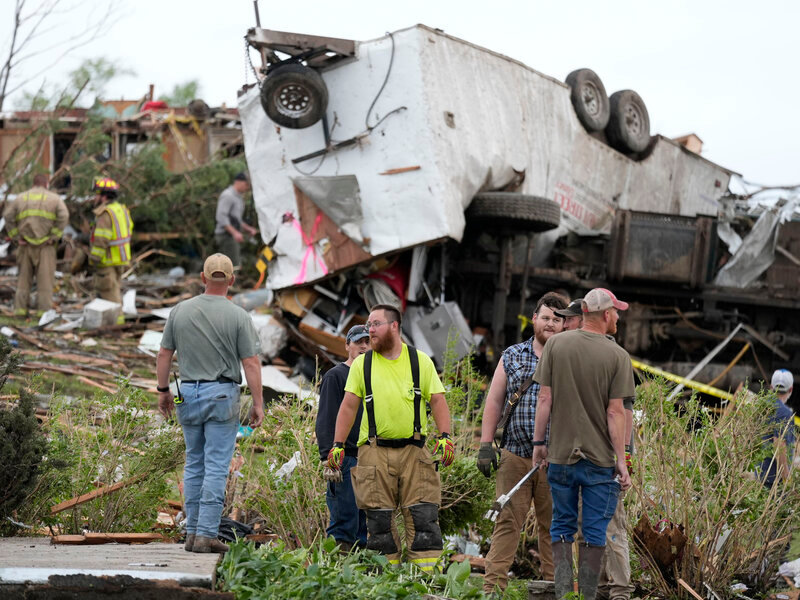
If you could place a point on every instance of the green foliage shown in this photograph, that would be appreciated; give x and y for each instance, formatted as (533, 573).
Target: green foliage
(95, 442)
(22, 443)
(466, 493)
(323, 571)
(182, 93)
(291, 506)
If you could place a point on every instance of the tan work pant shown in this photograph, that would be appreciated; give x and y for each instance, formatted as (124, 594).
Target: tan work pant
(507, 529)
(615, 579)
(616, 576)
(39, 262)
(108, 283)
(404, 478)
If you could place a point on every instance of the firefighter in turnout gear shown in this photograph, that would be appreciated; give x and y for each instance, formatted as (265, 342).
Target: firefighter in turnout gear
(110, 250)
(395, 469)
(35, 221)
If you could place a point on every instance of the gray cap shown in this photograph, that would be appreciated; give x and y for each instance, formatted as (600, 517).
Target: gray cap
(356, 333)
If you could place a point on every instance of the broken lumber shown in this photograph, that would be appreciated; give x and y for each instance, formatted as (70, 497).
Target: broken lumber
(109, 489)
(400, 170)
(107, 538)
(476, 563)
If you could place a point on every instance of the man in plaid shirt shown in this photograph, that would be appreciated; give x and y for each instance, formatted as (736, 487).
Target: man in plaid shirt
(516, 366)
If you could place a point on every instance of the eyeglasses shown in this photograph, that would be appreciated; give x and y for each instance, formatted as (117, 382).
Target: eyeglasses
(370, 324)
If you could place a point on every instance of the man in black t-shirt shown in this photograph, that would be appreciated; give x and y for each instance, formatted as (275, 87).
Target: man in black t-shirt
(348, 524)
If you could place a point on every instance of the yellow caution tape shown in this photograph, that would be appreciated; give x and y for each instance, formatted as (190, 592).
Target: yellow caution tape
(264, 257)
(695, 385)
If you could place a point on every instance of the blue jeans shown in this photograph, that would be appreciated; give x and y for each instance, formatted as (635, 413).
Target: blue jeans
(599, 492)
(348, 523)
(209, 416)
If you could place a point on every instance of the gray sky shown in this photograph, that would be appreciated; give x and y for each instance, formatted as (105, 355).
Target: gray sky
(726, 71)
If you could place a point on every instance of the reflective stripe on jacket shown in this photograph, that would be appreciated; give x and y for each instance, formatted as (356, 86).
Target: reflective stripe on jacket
(36, 216)
(111, 238)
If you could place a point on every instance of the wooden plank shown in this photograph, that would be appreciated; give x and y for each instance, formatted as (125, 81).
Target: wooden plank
(30, 339)
(107, 538)
(109, 489)
(123, 538)
(332, 343)
(79, 358)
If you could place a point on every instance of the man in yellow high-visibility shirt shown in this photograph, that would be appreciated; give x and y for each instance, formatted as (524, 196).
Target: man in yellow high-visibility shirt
(110, 249)
(35, 221)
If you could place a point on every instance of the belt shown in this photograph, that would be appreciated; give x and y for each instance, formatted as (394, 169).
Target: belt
(220, 380)
(401, 443)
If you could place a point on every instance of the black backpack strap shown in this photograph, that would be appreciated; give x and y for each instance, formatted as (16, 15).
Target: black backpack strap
(413, 358)
(373, 427)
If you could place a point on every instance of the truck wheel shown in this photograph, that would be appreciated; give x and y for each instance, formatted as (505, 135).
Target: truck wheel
(589, 99)
(294, 96)
(628, 128)
(517, 212)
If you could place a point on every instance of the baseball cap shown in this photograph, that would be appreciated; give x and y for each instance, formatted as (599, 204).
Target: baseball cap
(241, 177)
(573, 310)
(601, 299)
(356, 333)
(782, 380)
(217, 264)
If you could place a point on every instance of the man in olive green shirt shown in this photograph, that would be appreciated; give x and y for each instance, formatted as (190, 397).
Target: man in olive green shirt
(212, 336)
(584, 375)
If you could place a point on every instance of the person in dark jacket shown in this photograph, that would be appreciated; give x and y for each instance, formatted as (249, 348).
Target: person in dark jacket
(348, 524)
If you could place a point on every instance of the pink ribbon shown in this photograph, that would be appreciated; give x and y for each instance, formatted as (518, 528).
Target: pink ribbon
(310, 250)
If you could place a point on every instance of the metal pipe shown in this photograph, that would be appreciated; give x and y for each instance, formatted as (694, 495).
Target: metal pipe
(699, 367)
(258, 17)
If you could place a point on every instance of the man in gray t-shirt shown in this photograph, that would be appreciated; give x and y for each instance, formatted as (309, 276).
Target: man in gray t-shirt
(212, 336)
(230, 227)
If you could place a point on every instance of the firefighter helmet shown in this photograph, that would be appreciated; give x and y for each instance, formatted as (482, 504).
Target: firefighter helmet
(105, 186)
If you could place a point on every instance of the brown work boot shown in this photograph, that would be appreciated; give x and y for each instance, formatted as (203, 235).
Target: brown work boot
(189, 542)
(205, 545)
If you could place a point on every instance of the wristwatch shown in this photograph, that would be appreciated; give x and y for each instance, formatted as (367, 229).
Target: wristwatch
(162, 389)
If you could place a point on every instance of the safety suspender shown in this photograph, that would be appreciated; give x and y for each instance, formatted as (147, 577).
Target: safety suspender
(418, 438)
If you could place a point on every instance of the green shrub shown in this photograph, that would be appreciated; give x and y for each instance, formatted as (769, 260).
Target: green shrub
(95, 442)
(322, 571)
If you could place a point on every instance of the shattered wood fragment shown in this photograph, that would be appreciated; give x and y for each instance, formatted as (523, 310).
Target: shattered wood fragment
(400, 170)
(475, 562)
(689, 589)
(95, 494)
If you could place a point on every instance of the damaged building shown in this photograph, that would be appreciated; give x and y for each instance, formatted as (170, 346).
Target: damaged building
(192, 135)
(393, 169)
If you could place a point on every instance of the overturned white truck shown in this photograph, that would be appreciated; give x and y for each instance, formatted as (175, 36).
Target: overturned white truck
(482, 182)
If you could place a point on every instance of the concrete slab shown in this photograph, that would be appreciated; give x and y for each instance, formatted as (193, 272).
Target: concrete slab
(35, 560)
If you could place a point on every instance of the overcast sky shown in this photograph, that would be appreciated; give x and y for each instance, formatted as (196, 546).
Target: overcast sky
(725, 70)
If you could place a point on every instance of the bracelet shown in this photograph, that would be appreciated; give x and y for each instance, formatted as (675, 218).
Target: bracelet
(542, 443)
(162, 389)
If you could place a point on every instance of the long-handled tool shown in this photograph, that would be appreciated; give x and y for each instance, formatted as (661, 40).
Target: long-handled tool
(500, 503)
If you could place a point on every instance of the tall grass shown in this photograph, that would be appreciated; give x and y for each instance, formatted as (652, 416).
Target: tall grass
(695, 468)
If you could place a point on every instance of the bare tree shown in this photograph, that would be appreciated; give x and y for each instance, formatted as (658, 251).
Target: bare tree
(36, 29)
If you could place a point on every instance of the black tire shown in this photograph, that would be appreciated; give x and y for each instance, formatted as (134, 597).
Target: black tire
(294, 96)
(629, 126)
(514, 212)
(589, 99)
